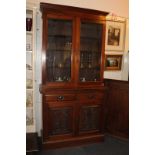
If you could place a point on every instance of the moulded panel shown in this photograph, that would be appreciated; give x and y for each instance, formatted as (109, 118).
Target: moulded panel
(60, 120)
(89, 118)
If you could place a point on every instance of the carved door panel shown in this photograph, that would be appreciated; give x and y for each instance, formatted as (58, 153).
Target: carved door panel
(60, 119)
(90, 118)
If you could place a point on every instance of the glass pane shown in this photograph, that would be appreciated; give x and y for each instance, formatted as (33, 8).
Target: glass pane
(59, 47)
(90, 51)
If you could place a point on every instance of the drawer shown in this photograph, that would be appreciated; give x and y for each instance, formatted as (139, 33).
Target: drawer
(60, 97)
(90, 96)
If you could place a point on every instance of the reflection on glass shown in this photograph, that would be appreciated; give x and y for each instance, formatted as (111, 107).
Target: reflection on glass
(59, 50)
(90, 51)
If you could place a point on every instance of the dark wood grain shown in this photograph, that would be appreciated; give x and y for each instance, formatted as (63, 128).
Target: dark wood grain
(66, 9)
(117, 108)
(78, 140)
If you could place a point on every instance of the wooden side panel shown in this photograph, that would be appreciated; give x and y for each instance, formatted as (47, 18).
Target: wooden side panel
(117, 104)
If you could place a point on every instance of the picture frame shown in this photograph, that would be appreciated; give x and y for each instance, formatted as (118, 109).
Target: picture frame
(28, 42)
(28, 60)
(29, 79)
(113, 62)
(29, 98)
(29, 116)
(115, 31)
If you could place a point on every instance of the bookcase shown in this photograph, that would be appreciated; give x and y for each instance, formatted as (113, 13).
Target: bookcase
(72, 75)
(30, 70)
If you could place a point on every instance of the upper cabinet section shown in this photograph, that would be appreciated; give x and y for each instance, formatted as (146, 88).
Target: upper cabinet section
(73, 45)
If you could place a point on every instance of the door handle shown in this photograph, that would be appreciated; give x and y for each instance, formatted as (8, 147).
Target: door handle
(60, 98)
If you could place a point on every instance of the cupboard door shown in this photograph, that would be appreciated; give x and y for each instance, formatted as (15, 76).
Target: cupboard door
(91, 49)
(60, 119)
(90, 118)
(59, 50)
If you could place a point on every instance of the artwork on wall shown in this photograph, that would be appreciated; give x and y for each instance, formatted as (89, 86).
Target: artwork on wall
(29, 98)
(115, 35)
(29, 116)
(29, 79)
(29, 60)
(113, 62)
(28, 42)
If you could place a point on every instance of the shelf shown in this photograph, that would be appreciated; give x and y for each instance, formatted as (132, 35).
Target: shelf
(29, 11)
(61, 81)
(59, 36)
(93, 68)
(56, 67)
(29, 89)
(28, 68)
(92, 38)
(30, 51)
(89, 51)
(29, 32)
(59, 51)
(29, 108)
(89, 81)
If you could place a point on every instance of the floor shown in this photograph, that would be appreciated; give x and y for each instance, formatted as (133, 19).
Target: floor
(111, 146)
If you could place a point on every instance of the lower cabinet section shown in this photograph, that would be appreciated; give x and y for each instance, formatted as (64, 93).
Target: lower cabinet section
(72, 117)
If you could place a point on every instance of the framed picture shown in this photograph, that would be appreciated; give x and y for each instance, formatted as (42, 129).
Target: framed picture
(115, 35)
(113, 62)
(29, 98)
(29, 60)
(29, 79)
(29, 116)
(28, 42)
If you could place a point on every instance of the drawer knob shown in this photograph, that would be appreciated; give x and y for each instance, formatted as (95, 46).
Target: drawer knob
(60, 97)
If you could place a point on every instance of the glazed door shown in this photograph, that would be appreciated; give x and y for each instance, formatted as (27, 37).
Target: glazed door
(58, 44)
(91, 51)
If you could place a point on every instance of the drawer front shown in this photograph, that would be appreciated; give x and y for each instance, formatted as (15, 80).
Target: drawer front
(90, 96)
(60, 97)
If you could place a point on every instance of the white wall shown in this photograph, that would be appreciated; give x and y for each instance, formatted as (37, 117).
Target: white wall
(117, 7)
(123, 73)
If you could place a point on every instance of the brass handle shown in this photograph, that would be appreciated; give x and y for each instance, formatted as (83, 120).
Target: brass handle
(60, 97)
